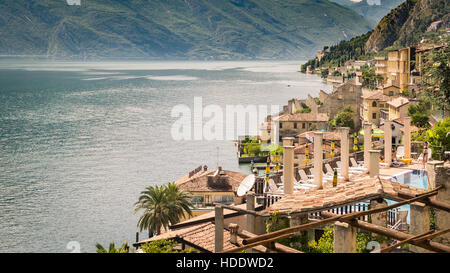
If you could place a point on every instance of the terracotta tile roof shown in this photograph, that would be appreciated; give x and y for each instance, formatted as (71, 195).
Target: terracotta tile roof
(345, 193)
(402, 122)
(326, 148)
(377, 95)
(202, 235)
(397, 102)
(212, 213)
(387, 85)
(199, 182)
(304, 117)
(328, 135)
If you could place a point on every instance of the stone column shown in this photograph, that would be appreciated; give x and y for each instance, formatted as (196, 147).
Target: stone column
(344, 152)
(420, 222)
(297, 220)
(344, 238)
(367, 143)
(288, 169)
(250, 206)
(318, 159)
(407, 137)
(288, 141)
(431, 173)
(388, 142)
(442, 175)
(374, 163)
(379, 219)
(219, 225)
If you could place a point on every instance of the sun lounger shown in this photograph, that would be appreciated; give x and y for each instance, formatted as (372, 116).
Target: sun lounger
(351, 170)
(355, 165)
(304, 177)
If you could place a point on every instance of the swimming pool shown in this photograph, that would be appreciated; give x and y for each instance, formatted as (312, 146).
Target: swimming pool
(414, 178)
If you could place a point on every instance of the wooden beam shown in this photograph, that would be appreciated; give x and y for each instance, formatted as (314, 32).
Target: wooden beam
(430, 202)
(433, 246)
(389, 248)
(242, 211)
(381, 209)
(276, 234)
(431, 236)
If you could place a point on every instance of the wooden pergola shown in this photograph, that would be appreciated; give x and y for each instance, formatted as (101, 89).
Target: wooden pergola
(422, 240)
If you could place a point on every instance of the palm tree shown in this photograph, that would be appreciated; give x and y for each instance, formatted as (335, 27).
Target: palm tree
(180, 202)
(162, 205)
(112, 248)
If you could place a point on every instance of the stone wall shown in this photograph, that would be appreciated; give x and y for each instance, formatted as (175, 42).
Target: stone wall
(442, 177)
(346, 94)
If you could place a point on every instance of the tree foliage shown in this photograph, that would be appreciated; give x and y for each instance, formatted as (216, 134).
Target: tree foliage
(163, 206)
(112, 248)
(439, 137)
(163, 246)
(343, 119)
(437, 75)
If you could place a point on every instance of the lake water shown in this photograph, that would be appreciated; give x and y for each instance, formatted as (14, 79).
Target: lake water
(80, 141)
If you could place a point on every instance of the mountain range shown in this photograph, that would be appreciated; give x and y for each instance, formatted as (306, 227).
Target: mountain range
(373, 10)
(175, 29)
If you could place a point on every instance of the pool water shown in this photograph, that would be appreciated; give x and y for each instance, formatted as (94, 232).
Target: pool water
(414, 178)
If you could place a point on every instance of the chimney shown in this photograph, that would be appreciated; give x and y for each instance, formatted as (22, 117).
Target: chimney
(233, 233)
(205, 168)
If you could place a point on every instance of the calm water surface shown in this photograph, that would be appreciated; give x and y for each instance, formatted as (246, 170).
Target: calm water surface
(79, 141)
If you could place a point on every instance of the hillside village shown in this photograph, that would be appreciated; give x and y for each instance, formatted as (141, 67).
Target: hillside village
(335, 163)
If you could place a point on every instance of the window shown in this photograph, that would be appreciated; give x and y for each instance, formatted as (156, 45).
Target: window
(374, 115)
(281, 125)
(303, 125)
(295, 125)
(374, 104)
(391, 93)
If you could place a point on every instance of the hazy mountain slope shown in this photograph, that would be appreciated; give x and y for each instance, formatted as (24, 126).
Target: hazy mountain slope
(373, 10)
(219, 29)
(406, 24)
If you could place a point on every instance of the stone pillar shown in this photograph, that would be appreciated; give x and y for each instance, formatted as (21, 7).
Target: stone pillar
(250, 218)
(219, 225)
(431, 173)
(288, 141)
(318, 159)
(442, 177)
(407, 137)
(297, 220)
(420, 222)
(374, 163)
(344, 152)
(388, 142)
(379, 219)
(288, 169)
(250, 206)
(344, 238)
(260, 225)
(367, 143)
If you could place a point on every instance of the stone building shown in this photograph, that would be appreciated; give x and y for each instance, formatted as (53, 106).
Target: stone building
(211, 186)
(397, 66)
(290, 125)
